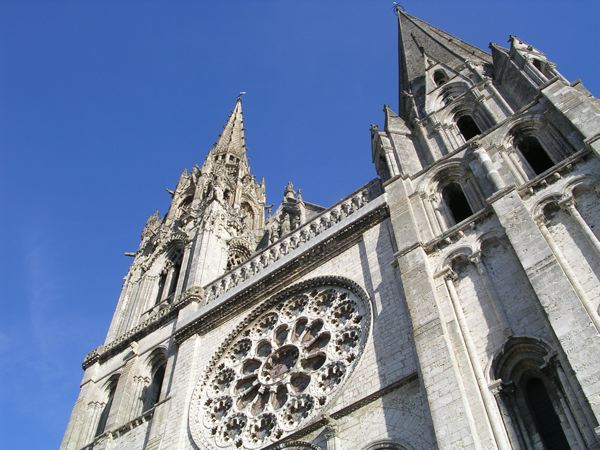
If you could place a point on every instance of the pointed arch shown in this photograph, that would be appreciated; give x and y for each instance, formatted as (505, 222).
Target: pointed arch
(110, 388)
(156, 367)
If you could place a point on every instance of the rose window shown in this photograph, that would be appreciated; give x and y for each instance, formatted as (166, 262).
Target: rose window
(280, 369)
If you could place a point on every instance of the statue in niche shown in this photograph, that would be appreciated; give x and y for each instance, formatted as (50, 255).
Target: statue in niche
(285, 226)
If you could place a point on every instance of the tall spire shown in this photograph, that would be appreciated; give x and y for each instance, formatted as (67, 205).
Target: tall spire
(232, 139)
(419, 42)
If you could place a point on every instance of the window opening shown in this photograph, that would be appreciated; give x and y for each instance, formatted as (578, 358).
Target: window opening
(467, 127)
(545, 418)
(175, 277)
(112, 387)
(153, 392)
(534, 153)
(161, 286)
(383, 168)
(456, 202)
(440, 77)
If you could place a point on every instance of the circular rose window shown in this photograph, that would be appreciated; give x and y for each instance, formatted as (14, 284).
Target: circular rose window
(279, 368)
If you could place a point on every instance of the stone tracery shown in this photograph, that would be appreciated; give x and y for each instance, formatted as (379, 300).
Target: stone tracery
(280, 369)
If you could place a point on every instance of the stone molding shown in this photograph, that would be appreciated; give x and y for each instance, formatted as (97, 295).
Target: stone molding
(215, 313)
(293, 240)
(343, 210)
(325, 420)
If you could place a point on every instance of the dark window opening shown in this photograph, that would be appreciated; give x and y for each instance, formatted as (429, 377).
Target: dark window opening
(174, 278)
(538, 65)
(106, 410)
(440, 77)
(545, 418)
(153, 390)
(161, 286)
(456, 202)
(384, 173)
(467, 127)
(534, 153)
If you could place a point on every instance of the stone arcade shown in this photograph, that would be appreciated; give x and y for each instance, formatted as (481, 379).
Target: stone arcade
(450, 303)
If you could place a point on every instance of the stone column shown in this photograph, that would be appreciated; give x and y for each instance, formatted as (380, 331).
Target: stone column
(496, 301)
(492, 416)
(556, 294)
(566, 267)
(522, 176)
(94, 411)
(569, 206)
(453, 420)
(488, 167)
(505, 395)
(498, 391)
(330, 435)
(137, 397)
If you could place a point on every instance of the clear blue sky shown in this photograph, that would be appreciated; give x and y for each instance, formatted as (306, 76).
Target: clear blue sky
(103, 103)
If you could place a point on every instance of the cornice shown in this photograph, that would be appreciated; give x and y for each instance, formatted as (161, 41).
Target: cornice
(281, 277)
(303, 263)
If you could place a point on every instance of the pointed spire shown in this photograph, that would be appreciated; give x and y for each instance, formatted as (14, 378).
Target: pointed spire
(418, 42)
(232, 139)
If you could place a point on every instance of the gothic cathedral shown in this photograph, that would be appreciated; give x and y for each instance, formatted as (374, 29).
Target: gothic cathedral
(453, 302)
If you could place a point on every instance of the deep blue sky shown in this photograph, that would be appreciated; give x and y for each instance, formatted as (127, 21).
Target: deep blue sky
(103, 103)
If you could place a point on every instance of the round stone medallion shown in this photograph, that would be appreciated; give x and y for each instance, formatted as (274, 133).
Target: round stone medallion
(280, 367)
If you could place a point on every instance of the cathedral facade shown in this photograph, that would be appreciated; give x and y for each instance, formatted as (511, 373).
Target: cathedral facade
(453, 302)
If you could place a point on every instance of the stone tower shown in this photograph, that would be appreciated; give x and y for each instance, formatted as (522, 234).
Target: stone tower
(453, 302)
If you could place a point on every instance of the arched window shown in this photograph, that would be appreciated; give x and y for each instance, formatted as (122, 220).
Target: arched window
(169, 277)
(467, 127)
(440, 77)
(535, 155)
(110, 390)
(456, 202)
(538, 64)
(537, 406)
(176, 271)
(153, 390)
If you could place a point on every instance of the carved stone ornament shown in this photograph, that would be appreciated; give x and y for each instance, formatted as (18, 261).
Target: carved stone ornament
(280, 367)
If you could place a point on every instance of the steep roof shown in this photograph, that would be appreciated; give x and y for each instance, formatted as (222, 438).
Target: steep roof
(232, 139)
(417, 39)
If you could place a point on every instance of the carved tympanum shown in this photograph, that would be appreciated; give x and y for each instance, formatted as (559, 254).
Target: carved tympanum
(276, 372)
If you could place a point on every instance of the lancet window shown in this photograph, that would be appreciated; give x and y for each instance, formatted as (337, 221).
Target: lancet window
(456, 202)
(538, 147)
(532, 393)
(152, 393)
(169, 276)
(454, 196)
(111, 388)
(535, 155)
(467, 127)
